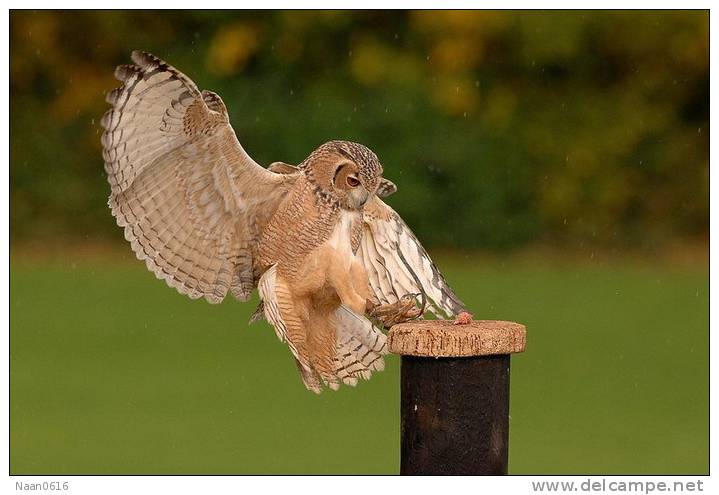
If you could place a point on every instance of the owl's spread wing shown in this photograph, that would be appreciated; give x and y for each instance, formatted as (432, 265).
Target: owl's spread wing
(385, 188)
(397, 264)
(191, 201)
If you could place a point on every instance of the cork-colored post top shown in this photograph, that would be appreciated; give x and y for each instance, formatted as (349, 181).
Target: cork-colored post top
(443, 338)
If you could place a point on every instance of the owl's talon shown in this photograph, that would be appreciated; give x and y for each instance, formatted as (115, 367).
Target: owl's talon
(370, 305)
(399, 312)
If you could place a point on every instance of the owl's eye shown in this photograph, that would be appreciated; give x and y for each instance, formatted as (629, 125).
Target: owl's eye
(352, 181)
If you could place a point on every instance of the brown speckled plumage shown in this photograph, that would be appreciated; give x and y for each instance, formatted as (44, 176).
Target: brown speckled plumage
(315, 239)
(303, 222)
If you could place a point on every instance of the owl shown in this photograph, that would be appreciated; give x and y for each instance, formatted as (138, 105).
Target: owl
(333, 264)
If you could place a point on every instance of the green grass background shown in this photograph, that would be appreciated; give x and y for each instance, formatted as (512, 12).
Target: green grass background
(114, 373)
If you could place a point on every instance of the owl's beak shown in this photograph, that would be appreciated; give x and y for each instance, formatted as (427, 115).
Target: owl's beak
(358, 197)
(365, 197)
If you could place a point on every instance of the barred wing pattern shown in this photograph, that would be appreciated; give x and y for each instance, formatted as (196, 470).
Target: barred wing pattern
(397, 264)
(191, 201)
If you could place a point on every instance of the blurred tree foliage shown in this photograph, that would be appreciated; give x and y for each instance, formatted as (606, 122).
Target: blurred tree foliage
(500, 128)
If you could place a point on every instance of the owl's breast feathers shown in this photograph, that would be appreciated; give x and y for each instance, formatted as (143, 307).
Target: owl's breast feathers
(347, 234)
(304, 222)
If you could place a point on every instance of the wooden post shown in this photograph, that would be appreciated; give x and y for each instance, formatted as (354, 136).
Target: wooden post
(455, 395)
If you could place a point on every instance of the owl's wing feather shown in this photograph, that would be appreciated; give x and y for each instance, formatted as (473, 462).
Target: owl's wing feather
(360, 347)
(191, 200)
(397, 264)
(385, 188)
(267, 288)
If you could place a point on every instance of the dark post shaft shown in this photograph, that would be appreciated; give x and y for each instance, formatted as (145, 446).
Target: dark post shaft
(455, 415)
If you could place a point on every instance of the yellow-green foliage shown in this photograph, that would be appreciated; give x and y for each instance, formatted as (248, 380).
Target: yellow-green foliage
(499, 127)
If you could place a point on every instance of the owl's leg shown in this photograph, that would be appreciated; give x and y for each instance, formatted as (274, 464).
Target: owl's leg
(313, 338)
(313, 302)
(289, 314)
(353, 296)
(360, 283)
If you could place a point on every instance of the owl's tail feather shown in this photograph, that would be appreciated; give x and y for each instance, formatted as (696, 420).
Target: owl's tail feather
(309, 377)
(360, 347)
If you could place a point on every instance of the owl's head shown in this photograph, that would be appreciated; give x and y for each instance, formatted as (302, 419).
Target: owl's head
(347, 172)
